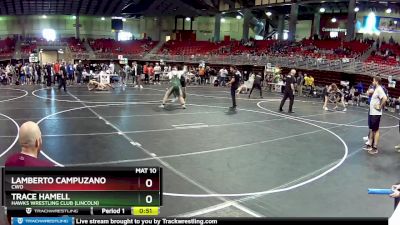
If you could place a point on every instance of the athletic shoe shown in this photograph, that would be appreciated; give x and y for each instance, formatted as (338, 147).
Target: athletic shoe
(325, 108)
(183, 106)
(373, 151)
(141, 87)
(367, 143)
(397, 147)
(345, 109)
(249, 96)
(136, 86)
(365, 138)
(367, 148)
(162, 106)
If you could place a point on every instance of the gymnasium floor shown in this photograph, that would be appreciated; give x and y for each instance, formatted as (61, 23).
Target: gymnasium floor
(252, 162)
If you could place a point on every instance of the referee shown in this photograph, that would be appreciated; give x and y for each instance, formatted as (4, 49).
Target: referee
(234, 83)
(288, 91)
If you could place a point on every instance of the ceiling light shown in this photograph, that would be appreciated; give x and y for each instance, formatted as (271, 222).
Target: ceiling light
(322, 10)
(238, 17)
(44, 16)
(188, 19)
(389, 10)
(333, 20)
(269, 13)
(102, 18)
(356, 9)
(223, 20)
(124, 19)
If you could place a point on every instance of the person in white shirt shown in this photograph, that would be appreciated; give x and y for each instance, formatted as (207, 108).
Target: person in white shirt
(378, 101)
(157, 73)
(112, 67)
(222, 76)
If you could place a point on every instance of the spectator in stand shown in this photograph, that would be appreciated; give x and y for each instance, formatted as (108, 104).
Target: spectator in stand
(30, 139)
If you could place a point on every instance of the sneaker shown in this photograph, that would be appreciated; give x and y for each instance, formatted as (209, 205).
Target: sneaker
(397, 147)
(232, 108)
(141, 87)
(365, 138)
(325, 108)
(373, 151)
(345, 109)
(183, 106)
(367, 143)
(136, 86)
(367, 148)
(249, 96)
(162, 106)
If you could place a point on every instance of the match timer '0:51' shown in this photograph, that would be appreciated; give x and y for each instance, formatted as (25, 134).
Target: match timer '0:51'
(145, 211)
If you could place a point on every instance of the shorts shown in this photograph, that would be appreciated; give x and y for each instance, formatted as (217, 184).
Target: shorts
(373, 122)
(176, 91)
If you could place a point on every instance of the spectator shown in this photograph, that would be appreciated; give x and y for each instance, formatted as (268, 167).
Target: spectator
(30, 139)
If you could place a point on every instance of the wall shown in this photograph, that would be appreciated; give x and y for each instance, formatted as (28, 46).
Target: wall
(92, 27)
(383, 35)
(204, 27)
(48, 57)
(303, 29)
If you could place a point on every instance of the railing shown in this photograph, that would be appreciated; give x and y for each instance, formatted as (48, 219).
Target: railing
(341, 65)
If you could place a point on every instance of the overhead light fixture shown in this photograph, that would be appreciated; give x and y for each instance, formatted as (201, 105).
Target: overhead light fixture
(322, 10)
(223, 20)
(188, 19)
(73, 17)
(395, 22)
(269, 13)
(389, 10)
(102, 18)
(238, 17)
(356, 9)
(44, 16)
(333, 20)
(124, 19)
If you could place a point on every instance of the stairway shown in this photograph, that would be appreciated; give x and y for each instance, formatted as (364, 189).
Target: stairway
(366, 54)
(89, 49)
(156, 48)
(17, 52)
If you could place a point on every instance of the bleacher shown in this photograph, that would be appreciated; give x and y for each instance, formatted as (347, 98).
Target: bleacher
(111, 46)
(7, 47)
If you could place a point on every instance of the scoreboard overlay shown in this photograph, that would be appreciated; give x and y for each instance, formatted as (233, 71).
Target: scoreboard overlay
(82, 191)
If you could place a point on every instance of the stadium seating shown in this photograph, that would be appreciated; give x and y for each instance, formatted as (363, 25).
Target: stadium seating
(110, 46)
(7, 47)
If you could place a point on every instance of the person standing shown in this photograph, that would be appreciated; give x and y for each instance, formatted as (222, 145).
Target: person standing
(378, 101)
(257, 84)
(222, 76)
(137, 73)
(300, 83)
(57, 71)
(62, 82)
(288, 91)
(79, 69)
(157, 73)
(398, 146)
(234, 83)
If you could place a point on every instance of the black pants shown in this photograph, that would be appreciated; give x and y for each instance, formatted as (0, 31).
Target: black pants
(233, 95)
(157, 78)
(286, 95)
(62, 83)
(79, 77)
(258, 86)
(396, 202)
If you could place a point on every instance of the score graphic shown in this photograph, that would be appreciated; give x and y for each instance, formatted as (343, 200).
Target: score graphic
(82, 191)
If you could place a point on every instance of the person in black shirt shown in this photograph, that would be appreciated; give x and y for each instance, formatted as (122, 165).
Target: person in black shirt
(63, 77)
(234, 82)
(257, 84)
(288, 91)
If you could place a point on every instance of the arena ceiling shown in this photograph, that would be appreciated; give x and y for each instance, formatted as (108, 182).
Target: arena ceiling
(192, 8)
